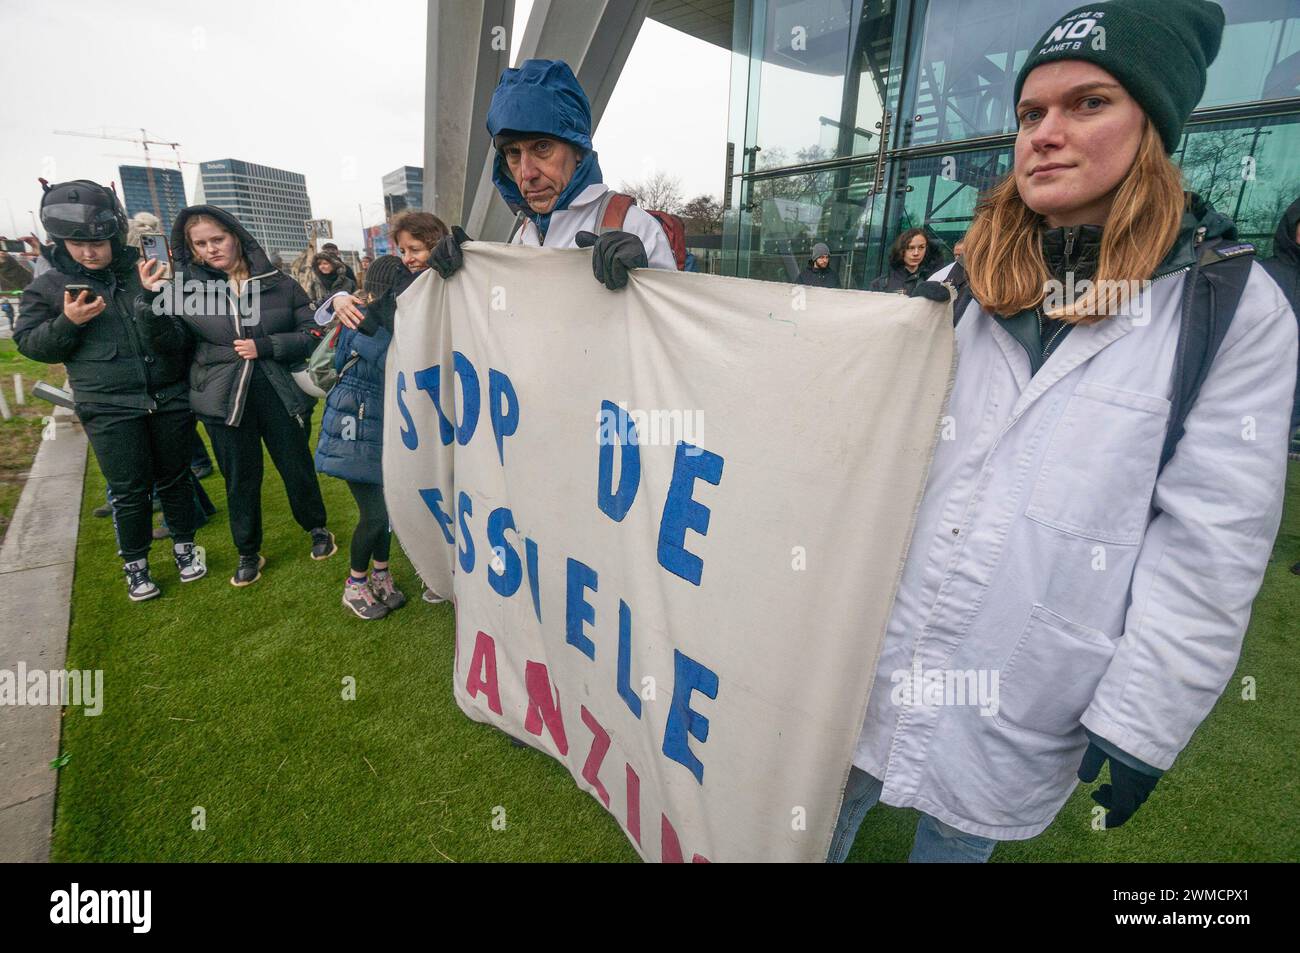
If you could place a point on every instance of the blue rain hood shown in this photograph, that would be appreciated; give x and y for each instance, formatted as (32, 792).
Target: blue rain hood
(544, 97)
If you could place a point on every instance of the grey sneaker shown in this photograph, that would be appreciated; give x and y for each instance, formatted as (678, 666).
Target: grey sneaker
(358, 597)
(249, 571)
(102, 511)
(139, 586)
(322, 543)
(381, 585)
(190, 561)
(430, 596)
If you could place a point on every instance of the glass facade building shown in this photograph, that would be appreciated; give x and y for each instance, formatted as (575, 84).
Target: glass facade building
(403, 189)
(853, 120)
(159, 192)
(271, 203)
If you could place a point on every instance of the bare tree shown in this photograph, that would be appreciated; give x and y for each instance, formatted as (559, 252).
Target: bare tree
(660, 190)
(703, 215)
(1212, 165)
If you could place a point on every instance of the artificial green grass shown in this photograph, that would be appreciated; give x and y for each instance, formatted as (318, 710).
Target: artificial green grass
(230, 700)
(20, 436)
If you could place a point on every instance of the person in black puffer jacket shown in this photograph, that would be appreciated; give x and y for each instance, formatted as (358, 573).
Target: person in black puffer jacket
(248, 324)
(130, 397)
(908, 260)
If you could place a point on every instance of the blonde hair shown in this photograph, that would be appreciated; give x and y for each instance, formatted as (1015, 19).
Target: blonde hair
(240, 269)
(1003, 256)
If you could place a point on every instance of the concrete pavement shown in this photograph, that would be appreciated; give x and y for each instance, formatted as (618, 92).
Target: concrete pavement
(36, 569)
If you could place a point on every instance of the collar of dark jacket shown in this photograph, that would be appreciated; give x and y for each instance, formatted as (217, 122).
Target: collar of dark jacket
(1198, 214)
(1078, 248)
(1072, 248)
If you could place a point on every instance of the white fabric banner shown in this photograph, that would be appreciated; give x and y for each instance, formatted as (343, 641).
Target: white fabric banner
(688, 616)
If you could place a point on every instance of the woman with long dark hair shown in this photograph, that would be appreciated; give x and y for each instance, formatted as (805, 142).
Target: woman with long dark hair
(908, 258)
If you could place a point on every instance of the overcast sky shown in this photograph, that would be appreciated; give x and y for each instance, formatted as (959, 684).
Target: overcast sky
(333, 89)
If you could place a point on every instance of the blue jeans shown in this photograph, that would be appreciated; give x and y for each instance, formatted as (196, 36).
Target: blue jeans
(935, 842)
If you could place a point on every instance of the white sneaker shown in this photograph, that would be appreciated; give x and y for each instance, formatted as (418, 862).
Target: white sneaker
(190, 561)
(139, 585)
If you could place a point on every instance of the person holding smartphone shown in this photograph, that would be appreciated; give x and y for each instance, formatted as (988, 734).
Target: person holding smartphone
(249, 324)
(15, 273)
(131, 399)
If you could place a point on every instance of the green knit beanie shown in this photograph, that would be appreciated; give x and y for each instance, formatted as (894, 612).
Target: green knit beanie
(1159, 50)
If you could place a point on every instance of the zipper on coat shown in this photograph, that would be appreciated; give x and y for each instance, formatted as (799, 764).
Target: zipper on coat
(241, 388)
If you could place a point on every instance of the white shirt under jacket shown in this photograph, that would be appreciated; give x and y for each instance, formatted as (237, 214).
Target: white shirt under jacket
(580, 216)
(1047, 551)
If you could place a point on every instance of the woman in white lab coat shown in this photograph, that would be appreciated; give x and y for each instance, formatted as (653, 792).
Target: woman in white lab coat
(1095, 592)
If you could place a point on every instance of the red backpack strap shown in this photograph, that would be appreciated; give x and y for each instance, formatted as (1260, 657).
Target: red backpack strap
(613, 210)
(675, 231)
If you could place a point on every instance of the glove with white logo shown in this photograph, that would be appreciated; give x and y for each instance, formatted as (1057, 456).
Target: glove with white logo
(615, 254)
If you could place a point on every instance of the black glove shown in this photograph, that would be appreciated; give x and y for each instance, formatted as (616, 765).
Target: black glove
(931, 290)
(1128, 788)
(369, 322)
(615, 254)
(447, 258)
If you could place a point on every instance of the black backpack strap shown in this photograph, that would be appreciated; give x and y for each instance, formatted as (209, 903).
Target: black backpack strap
(961, 284)
(1211, 294)
(520, 217)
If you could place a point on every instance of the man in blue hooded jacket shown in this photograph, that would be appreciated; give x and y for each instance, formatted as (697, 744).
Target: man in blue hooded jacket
(547, 171)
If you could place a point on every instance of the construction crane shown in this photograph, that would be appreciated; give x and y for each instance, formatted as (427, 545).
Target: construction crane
(144, 142)
(127, 155)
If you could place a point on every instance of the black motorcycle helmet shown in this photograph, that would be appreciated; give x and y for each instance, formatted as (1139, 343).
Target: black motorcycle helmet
(82, 211)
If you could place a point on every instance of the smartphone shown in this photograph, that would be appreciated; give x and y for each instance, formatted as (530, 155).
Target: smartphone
(12, 246)
(91, 294)
(155, 246)
(55, 395)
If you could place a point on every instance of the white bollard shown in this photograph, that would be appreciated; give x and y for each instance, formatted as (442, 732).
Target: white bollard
(18, 390)
(4, 407)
